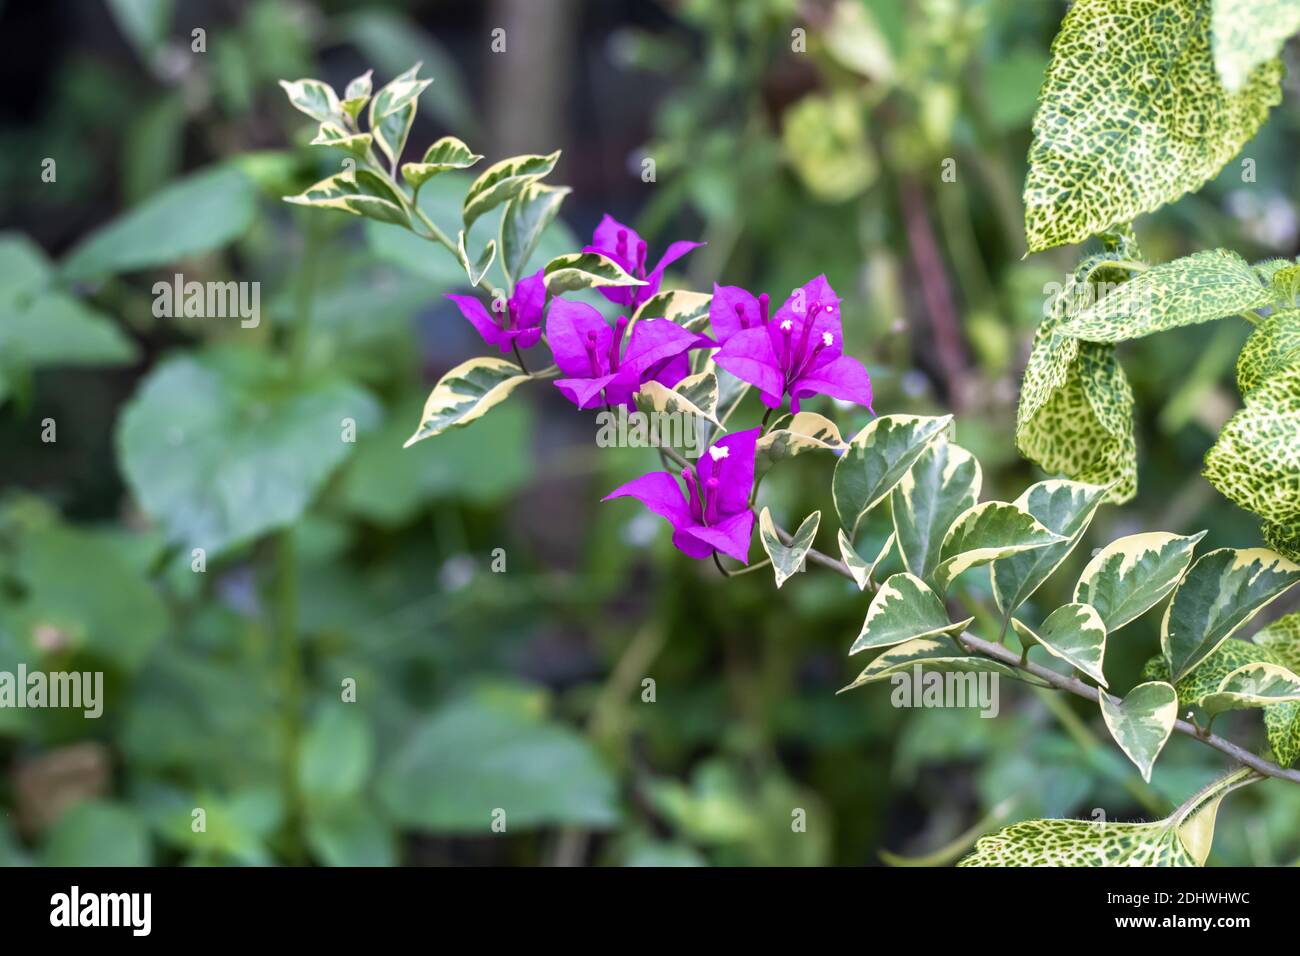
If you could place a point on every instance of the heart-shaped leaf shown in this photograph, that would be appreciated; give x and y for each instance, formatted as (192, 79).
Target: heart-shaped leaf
(1142, 722)
(1075, 634)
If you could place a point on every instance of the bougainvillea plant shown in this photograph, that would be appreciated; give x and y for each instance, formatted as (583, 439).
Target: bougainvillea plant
(698, 354)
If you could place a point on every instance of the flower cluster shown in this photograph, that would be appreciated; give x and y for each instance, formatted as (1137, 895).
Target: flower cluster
(796, 352)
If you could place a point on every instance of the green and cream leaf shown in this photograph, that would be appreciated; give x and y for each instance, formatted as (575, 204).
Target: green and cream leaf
(524, 221)
(584, 270)
(987, 532)
(1142, 722)
(1074, 633)
(876, 460)
(467, 393)
(1133, 574)
(944, 482)
(787, 560)
(903, 609)
(503, 181)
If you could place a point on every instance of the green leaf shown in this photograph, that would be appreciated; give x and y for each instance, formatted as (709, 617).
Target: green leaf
(584, 270)
(939, 654)
(1074, 633)
(1198, 288)
(78, 582)
(793, 435)
(1271, 348)
(1223, 590)
(943, 483)
(475, 757)
(862, 571)
(220, 450)
(1254, 685)
(477, 269)
(357, 144)
(318, 100)
(1132, 115)
(446, 153)
(1142, 722)
(466, 393)
(1084, 428)
(503, 181)
(876, 460)
(985, 533)
(56, 329)
(1131, 575)
(197, 214)
(524, 221)
(335, 756)
(1064, 508)
(825, 140)
(787, 561)
(903, 609)
(351, 835)
(1248, 33)
(361, 193)
(1256, 460)
(97, 833)
(687, 309)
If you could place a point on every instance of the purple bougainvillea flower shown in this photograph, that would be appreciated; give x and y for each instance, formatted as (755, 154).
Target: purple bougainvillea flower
(600, 368)
(713, 514)
(621, 243)
(521, 321)
(797, 352)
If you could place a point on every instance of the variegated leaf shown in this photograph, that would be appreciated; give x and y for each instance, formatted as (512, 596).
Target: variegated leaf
(690, 310)
(1272, 347)
(787, 560)
(1063, 507)
(524, 221)
(331, 134)
(1249, 33)
(876, 460)
(503, 181)
(943, 483)
(357, 95)
(694, 398)
(584, 270)
(904, 608)
(318, 100)
(1223, 590)
(985, 533)
(478, 268)
(794, 435)
(1198, 288)
(1254, 685)
(862, 571)
(1256, 460)
(1075, 634)
(466, 393)
(397, 97)
(444, 154)
(361, 193)
(1131, 575)
(939, 653)
(1132, 115)
(1142, 722)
